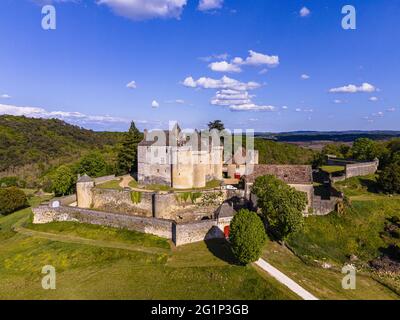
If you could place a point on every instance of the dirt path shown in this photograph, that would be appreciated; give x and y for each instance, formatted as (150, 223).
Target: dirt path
(285, 280)
(78, 240)
(125, 181)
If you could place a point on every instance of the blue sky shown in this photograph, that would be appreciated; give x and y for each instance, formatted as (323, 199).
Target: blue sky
(267, 65)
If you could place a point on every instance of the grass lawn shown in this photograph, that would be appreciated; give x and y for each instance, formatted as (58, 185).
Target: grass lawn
(332, 169)
(324, 283)
(113, 184)
(334, 238)
(197, 271)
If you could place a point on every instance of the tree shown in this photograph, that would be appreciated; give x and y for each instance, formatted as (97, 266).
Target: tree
(365, 149)
(11, 199)
(247, 236)
(281, 205)
(127, 155)
(93, 165)
(217, 124)
(389, 178)
(63, 181)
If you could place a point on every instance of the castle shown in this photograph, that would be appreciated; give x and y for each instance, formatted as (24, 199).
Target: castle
(179, 160)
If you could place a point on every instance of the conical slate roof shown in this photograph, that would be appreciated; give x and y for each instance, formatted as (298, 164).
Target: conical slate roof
(85, 178)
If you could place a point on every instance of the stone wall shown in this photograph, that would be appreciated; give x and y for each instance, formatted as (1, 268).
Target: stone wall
(180, 234)
(157, 227)
(199, 231)
(120, 201)
(322, 207)
(361, 169)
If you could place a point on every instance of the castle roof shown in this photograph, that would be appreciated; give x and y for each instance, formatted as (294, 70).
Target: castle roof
(85, 178)
(290, 174)
(175, 138)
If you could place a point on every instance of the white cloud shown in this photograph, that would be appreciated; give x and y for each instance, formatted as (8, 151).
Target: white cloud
(222, 56)
(337, 101)
(285, 107)
(304, 12)
(305, 76)
(258, 59)
(254, 59)
(263, 71)
(231, 97)
(155, 104)
(146, 9)
(373, 99)
(351, 88)
(391, 110)
(205, 5)
(298, 110)
(251, 107)
(177, 101)
(131, 85)
(224, 66)
(223, 83)
(73, 117)
(5, 96)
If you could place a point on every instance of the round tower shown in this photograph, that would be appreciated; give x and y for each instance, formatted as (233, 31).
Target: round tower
(84, 195)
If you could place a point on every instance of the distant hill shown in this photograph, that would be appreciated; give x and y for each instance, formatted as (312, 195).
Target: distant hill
(336, 136)
(25, 141)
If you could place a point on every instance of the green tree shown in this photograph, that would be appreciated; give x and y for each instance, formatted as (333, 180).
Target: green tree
(63, 181)
(365, 149)
(11, 199)
(93, 165)
(127, 155)
(247, 236)
(281, 205)
(217, 124)
(389, 178)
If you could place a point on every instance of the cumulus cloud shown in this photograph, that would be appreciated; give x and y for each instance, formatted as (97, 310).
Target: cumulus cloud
(146, 9)
(224, 66)
(206, 5)
(304, 12)
(131, 85)
(305, 76)
(373, 99)
(255, 59)
(351, 88)
(155, 104)
(5, 96)
(73, 117)
(223, 83)
(231, 93)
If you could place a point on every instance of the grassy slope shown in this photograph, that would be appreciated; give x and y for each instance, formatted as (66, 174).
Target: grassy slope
(324, 283)
(334, 238)
(91, 272)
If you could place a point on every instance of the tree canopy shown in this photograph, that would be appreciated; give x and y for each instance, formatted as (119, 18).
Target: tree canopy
(247, 236)
(281, 205)
(216, 124)
(127, 155)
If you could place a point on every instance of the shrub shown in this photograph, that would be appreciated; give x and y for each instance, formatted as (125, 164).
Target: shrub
(136, 197)
(12, 182)
(12, 199)
(63, 181)
(389, 178)
(247, 236)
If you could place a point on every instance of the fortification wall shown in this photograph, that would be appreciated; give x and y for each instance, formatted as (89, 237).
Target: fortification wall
(157, 227)
(361, 169)
(121, 202)
(322, 207)
(180, 233)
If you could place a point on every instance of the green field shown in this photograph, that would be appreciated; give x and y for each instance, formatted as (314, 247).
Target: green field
(113, 184)
(334, 238)
(103, 263)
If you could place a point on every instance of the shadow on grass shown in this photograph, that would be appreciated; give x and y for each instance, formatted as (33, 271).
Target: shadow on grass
(371, 185)
(221, 249)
